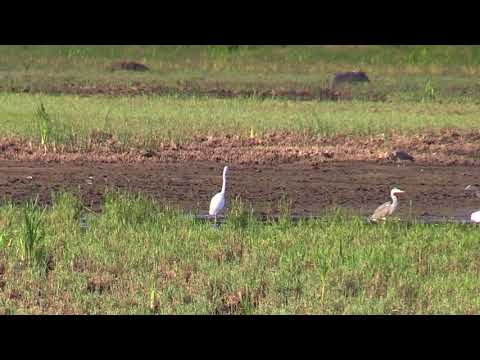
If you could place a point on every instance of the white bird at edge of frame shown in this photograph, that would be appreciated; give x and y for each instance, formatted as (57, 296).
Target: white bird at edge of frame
(218, 201)
(387, 208)
(475, 216)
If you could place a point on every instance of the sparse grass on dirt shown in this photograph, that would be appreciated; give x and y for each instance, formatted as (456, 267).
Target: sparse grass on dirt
(139, 257)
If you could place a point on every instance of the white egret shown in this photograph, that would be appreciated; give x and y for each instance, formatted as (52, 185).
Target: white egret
(387, 208)
(218, 201)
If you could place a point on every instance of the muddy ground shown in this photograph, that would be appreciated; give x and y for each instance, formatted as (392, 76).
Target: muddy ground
(314, 174)
(432, 189)
(203, 88)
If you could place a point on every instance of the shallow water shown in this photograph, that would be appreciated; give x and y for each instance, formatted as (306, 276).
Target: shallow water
(426, 219)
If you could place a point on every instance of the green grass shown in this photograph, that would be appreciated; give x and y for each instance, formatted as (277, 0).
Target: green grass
(393, 69)
(215, 58)
(423, 88)
(147, 121)
(138, 257)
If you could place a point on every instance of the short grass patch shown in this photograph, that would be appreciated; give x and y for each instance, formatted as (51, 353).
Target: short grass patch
(150, 120)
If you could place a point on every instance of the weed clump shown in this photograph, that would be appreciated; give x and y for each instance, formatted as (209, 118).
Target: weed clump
(44, 123)
(33, 239)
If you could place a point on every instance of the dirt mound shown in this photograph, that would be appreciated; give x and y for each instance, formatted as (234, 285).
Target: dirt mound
(128, 65)
(350, 77)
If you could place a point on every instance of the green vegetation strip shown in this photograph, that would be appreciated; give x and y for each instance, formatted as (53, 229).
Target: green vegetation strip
(400, 73)
(283, 61)
(148, 121)
(138, 257)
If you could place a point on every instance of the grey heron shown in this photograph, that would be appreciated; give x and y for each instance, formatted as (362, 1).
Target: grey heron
(387, 208)
(475, 188)
(401, 155)
(218, 201)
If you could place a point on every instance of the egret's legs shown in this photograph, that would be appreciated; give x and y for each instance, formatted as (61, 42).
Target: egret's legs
(215, 223)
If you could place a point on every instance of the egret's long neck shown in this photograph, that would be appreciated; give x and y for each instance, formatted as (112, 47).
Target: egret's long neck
(224, 182)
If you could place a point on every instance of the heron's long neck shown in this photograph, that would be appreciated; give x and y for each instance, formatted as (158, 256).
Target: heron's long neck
(224, 183)
(394, 200)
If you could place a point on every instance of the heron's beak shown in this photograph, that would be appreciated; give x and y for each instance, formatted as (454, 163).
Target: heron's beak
(469, 187)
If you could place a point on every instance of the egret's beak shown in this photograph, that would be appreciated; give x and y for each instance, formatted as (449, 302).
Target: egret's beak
(469, 187)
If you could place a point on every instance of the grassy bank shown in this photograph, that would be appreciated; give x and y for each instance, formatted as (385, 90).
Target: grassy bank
(397, 72)
(148, 121)
(208, 60)
(139, 257)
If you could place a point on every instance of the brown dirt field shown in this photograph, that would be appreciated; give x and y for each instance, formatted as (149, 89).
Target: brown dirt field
(189, 88)
(314, 173)
(362, 186)
(446, 147)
